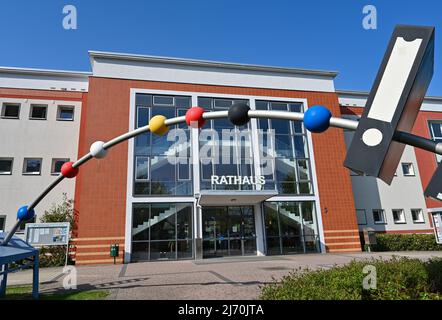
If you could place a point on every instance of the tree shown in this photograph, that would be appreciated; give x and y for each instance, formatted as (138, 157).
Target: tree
(53, 256)
(62, 212)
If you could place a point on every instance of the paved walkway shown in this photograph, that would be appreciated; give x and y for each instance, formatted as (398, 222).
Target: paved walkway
(226, 278)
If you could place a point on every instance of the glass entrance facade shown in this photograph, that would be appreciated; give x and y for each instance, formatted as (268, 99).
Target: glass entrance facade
(228, 231)
(291, 227)
(168, 223)
(162, 231)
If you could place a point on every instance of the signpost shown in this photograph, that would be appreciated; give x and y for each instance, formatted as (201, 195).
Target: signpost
(48, 234)
(437, 224)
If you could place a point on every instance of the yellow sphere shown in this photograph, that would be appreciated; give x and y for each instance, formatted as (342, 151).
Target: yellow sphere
(157, 125)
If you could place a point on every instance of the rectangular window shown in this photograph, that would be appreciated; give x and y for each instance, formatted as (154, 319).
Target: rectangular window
(57, 164)
(65, 113)
(32, 166)
(183, 170)
(2, 223)
(361, 216)
(11, 110)
(418, 215)
(142, 169)
(163, 101)
(398, 216)
(379, 216)
(143, 116)
(436, 134)
(38, 112)
(407, 169)
(6, 166)
(154, 172)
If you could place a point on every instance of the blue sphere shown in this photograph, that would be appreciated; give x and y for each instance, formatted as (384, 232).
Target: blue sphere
(24, 214)
(317, 119)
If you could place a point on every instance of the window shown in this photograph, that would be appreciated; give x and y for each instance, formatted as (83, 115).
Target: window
(5, 166)
(38, 112)
(156, 169)
(418, 216)
(2, 223)
(163, 100)
(22, 226)
(162, 231)
(398, 216)
(142, 169)
(407, 169)
(57, 164)
(32, 166)
(65, 113)
(11, 110)
(436, 134)
(361, 216)
(379, 216)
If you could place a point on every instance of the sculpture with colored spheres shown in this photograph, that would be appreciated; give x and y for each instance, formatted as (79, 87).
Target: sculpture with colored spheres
(23, 214)
(68, 171)
(239, 113)
(157, 125)
(317, 119)
(194, 117)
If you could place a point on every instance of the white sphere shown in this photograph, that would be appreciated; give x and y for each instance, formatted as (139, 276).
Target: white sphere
(97, 150)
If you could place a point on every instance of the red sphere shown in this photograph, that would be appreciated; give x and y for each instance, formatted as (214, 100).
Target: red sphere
(68, 171)
(194, 116)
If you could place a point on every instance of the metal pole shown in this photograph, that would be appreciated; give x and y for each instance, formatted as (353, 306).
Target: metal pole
(11, 233)
(35, 276)
(4, 280)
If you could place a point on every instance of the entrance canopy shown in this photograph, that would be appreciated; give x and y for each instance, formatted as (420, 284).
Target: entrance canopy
(235, 197)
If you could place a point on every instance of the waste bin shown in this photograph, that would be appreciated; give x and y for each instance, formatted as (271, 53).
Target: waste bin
(114, 248)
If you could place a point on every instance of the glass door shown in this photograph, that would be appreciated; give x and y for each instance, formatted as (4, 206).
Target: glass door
(228, 231)
(215, 235)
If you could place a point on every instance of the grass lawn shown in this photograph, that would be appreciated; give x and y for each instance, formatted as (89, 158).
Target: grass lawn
(25, 292)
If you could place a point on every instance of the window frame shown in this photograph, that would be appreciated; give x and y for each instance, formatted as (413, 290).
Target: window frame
(421, 214)
(148, 169)
(413, 174)
(25, 161)
(53, 164)
(4, 217)
(384, 217)
(433, 137)
(31, 108)
(137, 115)
(162, 96)
(404, 221)
(12, 166)
(189, 166)
(70, 107)
(5, 104)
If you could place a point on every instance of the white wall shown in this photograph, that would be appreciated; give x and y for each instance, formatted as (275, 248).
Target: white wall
(169, 72)
(405, 192)
(45, 139)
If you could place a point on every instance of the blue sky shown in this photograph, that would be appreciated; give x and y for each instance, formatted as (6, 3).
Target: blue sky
(317, 34)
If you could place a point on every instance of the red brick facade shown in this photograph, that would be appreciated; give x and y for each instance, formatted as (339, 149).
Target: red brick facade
(101, 185)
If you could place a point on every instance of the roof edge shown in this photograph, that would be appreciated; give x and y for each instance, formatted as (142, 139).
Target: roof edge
(366, 93)
(45, 72)
(207, 63)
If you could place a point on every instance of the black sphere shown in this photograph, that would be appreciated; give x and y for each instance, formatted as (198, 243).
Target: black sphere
(238, 113)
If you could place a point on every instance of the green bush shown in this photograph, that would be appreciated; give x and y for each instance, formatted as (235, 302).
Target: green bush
(52, 256)
(405, 242)
(396, 279)
(55, 256)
